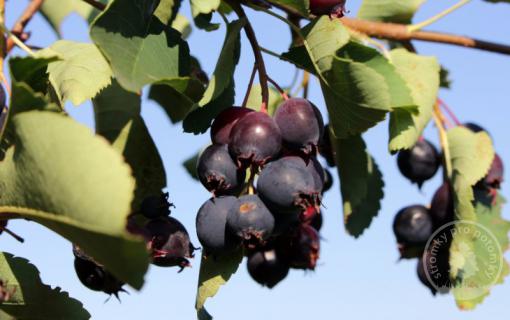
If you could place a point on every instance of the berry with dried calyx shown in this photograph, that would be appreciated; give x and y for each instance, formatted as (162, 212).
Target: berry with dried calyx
(218, 172)
(335, 8)
(223, 123)
(156, 206)
(304, 249)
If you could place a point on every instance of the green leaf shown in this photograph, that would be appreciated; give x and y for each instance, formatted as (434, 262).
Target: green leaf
(142, 51)
(182, 24)
(214, 272)
(220, 91)
(190, 165)
(421, 75)
(398, 11)
(118, 119)
(55, 11)
(202, 10)
(60, 175)
(473, 264)
(361, 183)
(81, 72)
(30, 296)
(359, 84)
(167, 10)
(255, 99)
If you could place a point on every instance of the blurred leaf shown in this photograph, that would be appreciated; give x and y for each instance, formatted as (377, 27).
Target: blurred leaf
(190, 165)
(167, 10)
(141, 52)
(361, 183)
(445, 80)
(55, 11)
(81, 72)
(255, 99)
(202, 10)
(422, 77)
(182, 24)
(300, 6)
(60, 175)
(31, 297)
(220, 91)
(118, 119)
(214, 272)
(398, 11)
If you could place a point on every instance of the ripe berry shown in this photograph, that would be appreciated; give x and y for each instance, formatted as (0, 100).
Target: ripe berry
(288, 187)
(328, 180)
(255, 139)
(94, 276)
(313, 166)
(267, 267)
(211, 225)
(494, 177)
(223, 123)
(300, 124)
(434, 269)
(325, 7)
(251, 220)
(474, 127)
(413, 226)
(304, 248)
(420, 163)
(218, 172)
(156, 206)
(441, 207)
(169, 243)
(325, 147)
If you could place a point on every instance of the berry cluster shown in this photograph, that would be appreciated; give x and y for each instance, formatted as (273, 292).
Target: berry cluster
(267, 187)
(415, 225)
(167, 241)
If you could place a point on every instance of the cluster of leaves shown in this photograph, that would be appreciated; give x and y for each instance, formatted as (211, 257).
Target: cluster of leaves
(56, 172)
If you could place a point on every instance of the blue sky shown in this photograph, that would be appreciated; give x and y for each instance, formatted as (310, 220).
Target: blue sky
(355, 278)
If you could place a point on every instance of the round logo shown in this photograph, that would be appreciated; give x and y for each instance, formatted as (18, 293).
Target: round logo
(463, 256)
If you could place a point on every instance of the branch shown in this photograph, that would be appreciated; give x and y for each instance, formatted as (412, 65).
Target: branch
(259, 60)
(400, 32)
(22, 22)
(96, 4)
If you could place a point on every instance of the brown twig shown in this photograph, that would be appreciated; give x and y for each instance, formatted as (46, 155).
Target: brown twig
(400, 32)
(96, 4)
(23, 20)
(259, 60)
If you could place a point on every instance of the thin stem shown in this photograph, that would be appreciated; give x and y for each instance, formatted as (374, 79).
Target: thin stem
(12, 234)
(443, 138)
(270, 52)
(27, 15)
(16, 40)
(259, 60)
(282, 92)
(421, 25)
(96, 4)
(250, 84)
(306, 84)
(399, 32)
(449, 111)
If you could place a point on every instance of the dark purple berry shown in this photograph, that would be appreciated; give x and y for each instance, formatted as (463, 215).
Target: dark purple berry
(300, 124)
(312, 165)
(420, 163)
(328, 7)
(218, 172)
(267, 267)
(211, 225)
(255, 139)
(304, 248)
(434, 269)
(326, 149)
(317, 221)
(474, 127)
(94, 276)
(494, 177)
(156, 206)
(442, 207)
(169, 243)
(251, 220)
(413, 226)
(328, 180)
(222, 125)
(287, 186)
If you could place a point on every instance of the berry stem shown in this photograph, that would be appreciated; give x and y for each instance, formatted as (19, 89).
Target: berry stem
(282, 92)
(421, 25)
(449, 111)
(259, 60)
(27, 15)
(443, 140)
(306, 84)
(12, 234)
(250, 85)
